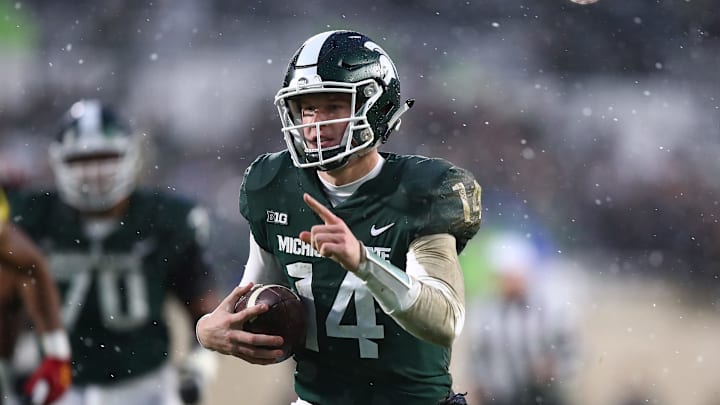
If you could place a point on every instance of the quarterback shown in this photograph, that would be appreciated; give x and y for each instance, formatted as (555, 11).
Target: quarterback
(368, 239)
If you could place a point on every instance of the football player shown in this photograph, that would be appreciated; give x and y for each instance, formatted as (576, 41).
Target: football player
(118, 253)
(368, 239)
(24, 276)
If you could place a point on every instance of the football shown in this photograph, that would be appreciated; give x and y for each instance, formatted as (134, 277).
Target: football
(285, 316)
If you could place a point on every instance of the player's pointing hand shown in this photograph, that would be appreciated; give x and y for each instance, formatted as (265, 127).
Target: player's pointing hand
(333, 239)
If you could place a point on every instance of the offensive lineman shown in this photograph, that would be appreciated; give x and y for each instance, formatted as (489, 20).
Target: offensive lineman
(118, 253)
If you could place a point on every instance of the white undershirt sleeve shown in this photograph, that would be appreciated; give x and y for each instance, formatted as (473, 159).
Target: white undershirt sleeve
(262, 267)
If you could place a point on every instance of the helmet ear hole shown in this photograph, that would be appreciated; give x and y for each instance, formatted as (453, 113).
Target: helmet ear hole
(385, 111)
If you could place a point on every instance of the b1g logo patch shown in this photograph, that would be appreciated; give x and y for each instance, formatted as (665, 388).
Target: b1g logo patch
(277, 217)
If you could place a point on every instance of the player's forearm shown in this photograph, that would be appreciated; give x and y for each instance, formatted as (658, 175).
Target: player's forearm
(39, 294)
(433, 317)
(41, 300)
(42, 303)
(427, 299)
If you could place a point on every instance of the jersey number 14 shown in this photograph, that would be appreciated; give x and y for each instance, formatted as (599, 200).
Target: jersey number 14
(366, 326)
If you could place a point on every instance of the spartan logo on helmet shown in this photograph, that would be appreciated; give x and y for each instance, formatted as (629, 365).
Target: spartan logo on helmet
(341, 62)
(389, 71)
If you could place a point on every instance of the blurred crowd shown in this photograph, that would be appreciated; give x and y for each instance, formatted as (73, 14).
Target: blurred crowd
(594, 130)
(601, 120)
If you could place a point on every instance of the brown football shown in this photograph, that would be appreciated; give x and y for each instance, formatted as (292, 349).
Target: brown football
(285, 316)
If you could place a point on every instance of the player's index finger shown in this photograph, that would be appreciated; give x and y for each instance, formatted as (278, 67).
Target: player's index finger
(324, 213)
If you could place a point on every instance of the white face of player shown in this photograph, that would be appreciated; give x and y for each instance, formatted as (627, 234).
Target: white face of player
(321, 108)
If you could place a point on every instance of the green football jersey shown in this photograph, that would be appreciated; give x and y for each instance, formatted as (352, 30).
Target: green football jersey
(113, 290)
(354, 352)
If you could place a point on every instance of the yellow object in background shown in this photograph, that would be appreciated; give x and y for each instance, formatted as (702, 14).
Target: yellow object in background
(4, 208)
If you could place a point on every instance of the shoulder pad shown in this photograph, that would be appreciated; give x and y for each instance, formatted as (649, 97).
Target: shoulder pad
(422, 176)
(31, 206)
(265, 169)
(167, 209)
(449, 195)
(265, 172)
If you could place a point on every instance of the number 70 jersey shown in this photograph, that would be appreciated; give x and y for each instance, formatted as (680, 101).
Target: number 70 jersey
(114, 288)
(350, 339)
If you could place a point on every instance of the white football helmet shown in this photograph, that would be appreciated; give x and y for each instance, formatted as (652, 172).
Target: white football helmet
(96, 159)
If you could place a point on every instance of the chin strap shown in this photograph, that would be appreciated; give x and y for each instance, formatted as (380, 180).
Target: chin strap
(394, 121)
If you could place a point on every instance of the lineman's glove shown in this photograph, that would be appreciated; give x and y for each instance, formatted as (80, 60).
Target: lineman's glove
(54, 375)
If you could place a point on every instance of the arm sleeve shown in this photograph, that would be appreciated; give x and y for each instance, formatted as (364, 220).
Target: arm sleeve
(428, 299)
(262, 266)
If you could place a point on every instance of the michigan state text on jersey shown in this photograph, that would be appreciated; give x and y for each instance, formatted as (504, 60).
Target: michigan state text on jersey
(351, 342)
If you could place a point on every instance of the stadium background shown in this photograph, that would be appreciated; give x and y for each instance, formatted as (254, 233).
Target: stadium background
(594, 130)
